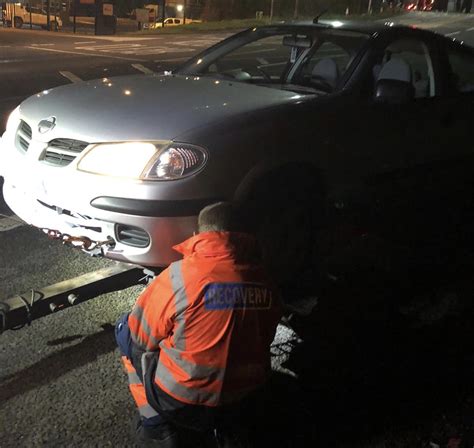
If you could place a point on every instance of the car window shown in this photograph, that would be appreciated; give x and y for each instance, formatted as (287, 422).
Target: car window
(281, 58)
(461, 64)
(328, 50)
(325, 66)
(413, 54)
(177, 21)
(264, 58)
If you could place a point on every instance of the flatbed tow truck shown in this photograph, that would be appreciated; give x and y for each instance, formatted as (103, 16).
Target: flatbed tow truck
(20, 310)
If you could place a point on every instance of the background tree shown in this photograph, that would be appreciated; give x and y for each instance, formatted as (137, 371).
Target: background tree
(240, 9)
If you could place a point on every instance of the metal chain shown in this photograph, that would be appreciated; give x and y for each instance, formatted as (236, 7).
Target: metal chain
(80, 242)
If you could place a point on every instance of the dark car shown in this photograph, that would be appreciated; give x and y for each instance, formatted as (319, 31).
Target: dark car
(314, 127)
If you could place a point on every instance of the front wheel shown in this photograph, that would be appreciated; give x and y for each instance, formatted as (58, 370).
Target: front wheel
(18, 22)
(287, 212)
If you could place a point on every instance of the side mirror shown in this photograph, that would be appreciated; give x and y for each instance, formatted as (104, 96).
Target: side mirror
(393, 91)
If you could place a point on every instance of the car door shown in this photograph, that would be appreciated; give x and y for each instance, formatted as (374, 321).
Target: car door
(360, 143)
(377, 137)
(400, 133)
(38, 16)
(444, 168)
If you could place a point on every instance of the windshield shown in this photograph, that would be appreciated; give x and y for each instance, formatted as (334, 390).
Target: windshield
(304, 59)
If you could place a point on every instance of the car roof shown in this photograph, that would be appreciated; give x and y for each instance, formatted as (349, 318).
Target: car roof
(363, 27)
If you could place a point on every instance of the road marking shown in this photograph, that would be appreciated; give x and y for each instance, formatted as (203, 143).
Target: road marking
(10, 222)
(200, 42)
(245, 53)
(122, 39)
(470, 29)
(136, 49)
(111, 47)
(143, 69)
(86, 54)
(454, 33)
(42, 45)
(5, 46)
(171, 60)
(142, 49)
(86, 42)
(262, 61)
(71, 76)
(146, 51)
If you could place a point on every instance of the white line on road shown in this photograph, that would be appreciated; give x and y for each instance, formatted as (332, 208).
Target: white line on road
(172, 59)
(470, 29)
(87, 42)
(453, 34)
(87, 54)
(111, 47)
(244, 53)
(143, 69)
(71, 76)
(42, 45)
(5, 46)
(147, 51)
(198, 42)
(123, 39)
(262, 61)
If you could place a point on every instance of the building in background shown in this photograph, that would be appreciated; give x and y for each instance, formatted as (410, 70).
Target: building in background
(179, 8)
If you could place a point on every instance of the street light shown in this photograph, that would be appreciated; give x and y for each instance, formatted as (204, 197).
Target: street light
(183, 8)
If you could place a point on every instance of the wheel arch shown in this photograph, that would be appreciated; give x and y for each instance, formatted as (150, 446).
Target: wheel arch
(272, 170)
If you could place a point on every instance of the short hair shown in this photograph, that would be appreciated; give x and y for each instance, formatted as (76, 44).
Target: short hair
(221, 217)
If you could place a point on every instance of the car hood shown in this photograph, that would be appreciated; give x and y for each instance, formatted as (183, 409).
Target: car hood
(143, 107)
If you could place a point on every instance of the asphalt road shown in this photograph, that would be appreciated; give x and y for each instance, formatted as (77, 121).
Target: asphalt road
(32, 61)
(61, 382)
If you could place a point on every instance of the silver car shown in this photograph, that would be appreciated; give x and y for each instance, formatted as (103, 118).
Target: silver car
(294, 119)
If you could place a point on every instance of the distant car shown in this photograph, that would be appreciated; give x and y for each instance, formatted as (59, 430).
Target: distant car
(170, 21)
(418, 5)
(314, 127)
(23, 13)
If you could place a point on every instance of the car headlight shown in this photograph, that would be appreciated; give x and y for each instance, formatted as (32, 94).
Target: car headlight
(13, 120)
(175, 162)
(142, 160)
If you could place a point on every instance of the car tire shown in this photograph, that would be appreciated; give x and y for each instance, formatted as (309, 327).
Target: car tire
(18, 22)
(287, 213)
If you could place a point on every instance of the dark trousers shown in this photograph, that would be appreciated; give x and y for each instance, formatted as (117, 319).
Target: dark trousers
(155, 405)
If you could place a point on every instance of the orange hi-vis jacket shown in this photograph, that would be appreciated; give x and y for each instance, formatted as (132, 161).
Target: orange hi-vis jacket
(212, 316)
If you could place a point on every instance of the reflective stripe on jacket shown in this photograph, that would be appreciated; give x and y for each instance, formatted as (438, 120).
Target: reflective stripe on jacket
(213, 316)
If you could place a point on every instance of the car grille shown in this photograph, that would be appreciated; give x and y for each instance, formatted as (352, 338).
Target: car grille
(23, 136)
(62, 151)
(132, 236)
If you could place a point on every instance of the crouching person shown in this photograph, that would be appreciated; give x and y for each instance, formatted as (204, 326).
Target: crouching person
(197, 342)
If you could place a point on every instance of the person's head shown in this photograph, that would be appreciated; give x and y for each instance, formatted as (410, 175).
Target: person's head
(221, 217)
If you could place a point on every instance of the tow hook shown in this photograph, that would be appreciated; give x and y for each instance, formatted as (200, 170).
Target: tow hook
(80, 242)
